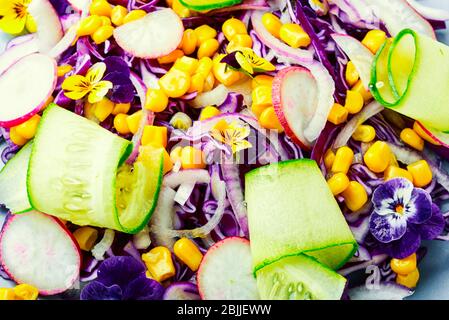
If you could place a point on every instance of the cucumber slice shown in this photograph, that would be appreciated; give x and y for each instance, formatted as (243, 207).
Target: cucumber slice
(292, 211)
(13, 177)
(299, 278)
(201, 5)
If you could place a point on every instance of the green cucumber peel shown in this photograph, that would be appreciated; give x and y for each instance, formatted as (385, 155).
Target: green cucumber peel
(203, 5)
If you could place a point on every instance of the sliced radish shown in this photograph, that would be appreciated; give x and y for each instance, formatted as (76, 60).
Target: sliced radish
(38, 250)
(226, 272)
(17, 52)
(49, 27)
(78, 4)
(153, 36)
(438, 136)
(181, 291)
(358, 54)
(25, 88)
(429, 12)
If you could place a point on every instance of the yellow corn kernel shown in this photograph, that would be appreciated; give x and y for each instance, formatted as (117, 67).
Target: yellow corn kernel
(329, 158)
(121, 123)
(419, 130)
(232, 27)
(272, 23)
(89, 110)
(7, 294)
(175, 83)
(189, 42)
(105, 21)
(262, 80)
(133, 121)
(102, 34)
(343, 160)
(168, 164)
(64, 69)
(366, 94)
(187, 251)
(86, 237)
(156, 100)
(209, 112)
(396, 172)
(181, 121)
(159, 263)
(355, 196)
(103, 109)
(25, 292)
(338, 114)
(269, 120)
(134, 15)
(257, 109)
(354, 102)
(205, 66)
(421, 172)
(404, 266)
(208, 48)
(16, 138)
(121, 108)
(393, 160)
(204, 33)
(224, 74)
(118, 13)
(31, 24)
(338, 183)
(410, 137)
(239, 41)
(351, 74)
(186, 64)
(171, 57)
(293, 35)
(155, 136)
(374, 39)
(410, 280)
(192, 158)
(377, 157)
(209, 83)
(180, 10)
(175, 154)
(261, 96)
(196, 83)
(28, 128)
(364, 133)
(100, 8)
(89, 25)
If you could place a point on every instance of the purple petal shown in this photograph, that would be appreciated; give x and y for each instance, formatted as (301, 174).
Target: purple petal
(433, 227)
(419, 208)
(403, 247)
(119, 270)
(97, 291)
(387, 228)
(391, 193)
(122, 90)
(143, 288)
(231, 61)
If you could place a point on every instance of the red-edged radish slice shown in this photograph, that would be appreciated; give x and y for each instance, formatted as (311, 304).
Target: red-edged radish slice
(49, 27)
(153, 36)
(38, 250)
(358, 54)
(25, 88)
(17, 52)
(429, 12)
(436, 137)
(79, 4)
(226, 272)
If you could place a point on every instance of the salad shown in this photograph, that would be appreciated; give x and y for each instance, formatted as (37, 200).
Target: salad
(221, 149)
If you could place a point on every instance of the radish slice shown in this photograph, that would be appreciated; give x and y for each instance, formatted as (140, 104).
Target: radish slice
(78, 4)
(226, 272)
(181, 291)
(358, 54)
(49, 27)
(153, 36)
(439, 137)
(18, 107)
(17, 52)
(428, 12)
(38, 250)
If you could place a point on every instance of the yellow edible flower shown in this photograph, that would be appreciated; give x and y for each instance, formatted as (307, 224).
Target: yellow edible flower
(232, 134)
(77, 86)
(14, 15)
(248, 61)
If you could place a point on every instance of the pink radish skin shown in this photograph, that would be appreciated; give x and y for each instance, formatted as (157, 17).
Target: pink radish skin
(439, 137)
(25, 237)
(19, 105)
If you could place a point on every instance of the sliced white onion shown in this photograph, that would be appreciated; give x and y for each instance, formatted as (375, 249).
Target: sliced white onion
(142, 239)
(219, 94)
(175, 179)
(104, 245)
(163, 217)
(381, 291)
(183, 193)
(376, 260)
(429, 12)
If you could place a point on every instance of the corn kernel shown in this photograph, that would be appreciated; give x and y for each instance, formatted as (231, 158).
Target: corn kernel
(197, 83)
(396, 172)
(209, 112)
(261, 96)
(192, 158)
(25, 292)
(423, 134)
(28, 128)
(338, 114)
(103, 109)
(89, 25)
(364, 133)
(224, 74)
(209, 83)
(155, 136)
(89, 110)
(343, 160)
(7, 294)
(156, 100)
(16, 138)
(175, 83)
(421, 172)
(366, 94)
(121, 123)
(118, 13)
(272, 23)
(410, 280)
(31, 24)
(262, 80)
(293, 35)
(133, 121)
(355, 196)
(269, 120)
(232, 27)
(338, 183)
(410, 137)
(329, 158)
(257, 109)
(105, 21)
(175, 154)
(159, 263)
(205, 33)
(374, 39)
(354, 102)
(239, 41)
(171, 57)
(100, 8)
(404, 266)
(189, 42)
(181, 121)
(351, 74)
(121, 108)
(208, 48)
(134, 15)
(377, 157)
(180, 10)
(168, 164)
(186, 64)
(205, 66)
(187, 251)
(64, 69)
(102, 34)
(86, 237)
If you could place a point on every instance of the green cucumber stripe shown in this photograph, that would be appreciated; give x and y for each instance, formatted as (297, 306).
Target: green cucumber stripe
(209, 4)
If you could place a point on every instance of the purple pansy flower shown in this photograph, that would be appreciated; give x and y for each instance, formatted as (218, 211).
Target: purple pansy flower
(117, 71)
(122, 278)
(403, 216)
